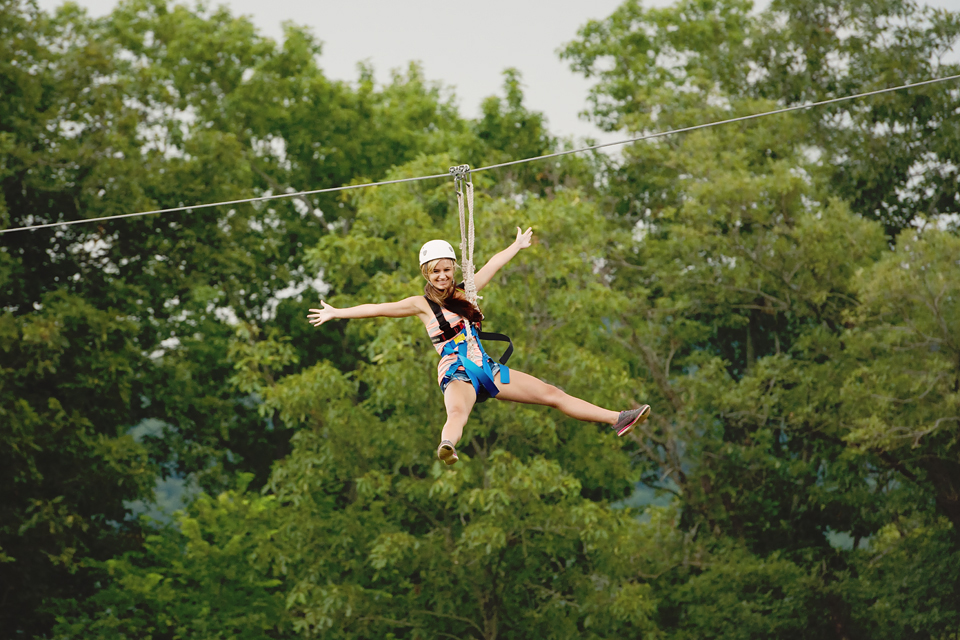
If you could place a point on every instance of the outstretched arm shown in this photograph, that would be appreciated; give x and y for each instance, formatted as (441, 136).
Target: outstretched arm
(490, 269)
(401, 309)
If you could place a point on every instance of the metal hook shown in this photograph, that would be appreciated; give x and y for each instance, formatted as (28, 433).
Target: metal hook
(461, 174)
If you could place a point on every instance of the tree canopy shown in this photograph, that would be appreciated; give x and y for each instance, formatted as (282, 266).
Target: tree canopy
(784, 292)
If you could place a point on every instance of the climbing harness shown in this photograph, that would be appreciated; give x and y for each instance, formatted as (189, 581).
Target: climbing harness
(457, 339)
(464, 187)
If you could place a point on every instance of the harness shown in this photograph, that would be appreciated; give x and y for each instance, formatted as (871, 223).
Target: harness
(456, 344)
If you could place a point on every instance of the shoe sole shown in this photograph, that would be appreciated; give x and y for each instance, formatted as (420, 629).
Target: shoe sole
(640, 419)
(447, 454)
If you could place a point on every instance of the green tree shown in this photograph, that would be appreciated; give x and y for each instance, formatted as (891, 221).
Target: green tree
(202, 576)
(907, 387)
(774, 308)
(375, 537)
(66, 462)
(159, 105)
(752, 282)
(765, 454)
(893, 158)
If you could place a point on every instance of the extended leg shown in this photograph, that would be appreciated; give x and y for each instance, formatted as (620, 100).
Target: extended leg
(529, 390)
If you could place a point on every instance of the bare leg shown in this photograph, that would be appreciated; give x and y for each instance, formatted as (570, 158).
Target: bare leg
(529, 390)
(459, 399)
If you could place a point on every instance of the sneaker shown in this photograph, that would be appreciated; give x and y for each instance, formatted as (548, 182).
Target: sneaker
(629, 419)
(447, 453)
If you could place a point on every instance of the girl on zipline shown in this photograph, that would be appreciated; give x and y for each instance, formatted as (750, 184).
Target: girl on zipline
(467, 375)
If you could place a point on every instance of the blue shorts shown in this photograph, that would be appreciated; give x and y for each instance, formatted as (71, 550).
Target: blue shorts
(461, 374)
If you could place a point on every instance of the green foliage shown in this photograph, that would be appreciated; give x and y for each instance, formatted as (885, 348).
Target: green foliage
(203, 576)
(66, 464)
(907, 388)
(905, 582)
(742, 596)
(893, 157)
(153, 106)
(782, 335)
(783, 292)
(377, 538)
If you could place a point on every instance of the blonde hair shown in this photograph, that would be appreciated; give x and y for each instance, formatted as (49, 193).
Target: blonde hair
(452, 298)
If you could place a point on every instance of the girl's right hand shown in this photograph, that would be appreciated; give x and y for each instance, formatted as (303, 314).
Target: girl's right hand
(317, 317)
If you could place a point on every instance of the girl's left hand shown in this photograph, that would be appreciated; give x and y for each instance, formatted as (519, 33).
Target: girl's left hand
(524, 238)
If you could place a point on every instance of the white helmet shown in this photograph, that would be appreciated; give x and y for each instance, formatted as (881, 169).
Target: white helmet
(436, 249)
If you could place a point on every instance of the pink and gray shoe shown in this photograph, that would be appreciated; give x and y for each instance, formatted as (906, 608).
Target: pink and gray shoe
(447, 453)
(629, 419)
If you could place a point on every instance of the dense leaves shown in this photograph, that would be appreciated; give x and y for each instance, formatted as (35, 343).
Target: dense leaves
(66, 463)
(784, 292)
(199, 577)
(891, 157)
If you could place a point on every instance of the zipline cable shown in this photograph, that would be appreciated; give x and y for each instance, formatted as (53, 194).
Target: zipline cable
(220, 204)
(649, 136)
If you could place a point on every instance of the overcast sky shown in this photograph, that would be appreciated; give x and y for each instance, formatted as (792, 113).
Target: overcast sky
(463, 44)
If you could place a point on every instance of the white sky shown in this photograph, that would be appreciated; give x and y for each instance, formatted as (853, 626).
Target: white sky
(465, 45)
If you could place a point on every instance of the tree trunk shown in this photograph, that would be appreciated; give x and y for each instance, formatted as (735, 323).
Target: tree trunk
(659, 375)
(751, 349)
(945, 477)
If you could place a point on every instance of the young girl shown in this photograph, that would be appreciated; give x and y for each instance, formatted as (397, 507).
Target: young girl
(466, 374)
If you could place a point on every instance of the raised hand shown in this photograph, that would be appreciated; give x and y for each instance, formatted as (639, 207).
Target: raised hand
(317, 317)
(524, 238)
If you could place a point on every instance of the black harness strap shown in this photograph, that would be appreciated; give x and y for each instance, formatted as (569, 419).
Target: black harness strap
(447, 332)
(499, 337)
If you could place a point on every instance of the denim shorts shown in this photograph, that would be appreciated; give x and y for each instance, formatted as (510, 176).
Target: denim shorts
(460, 374)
